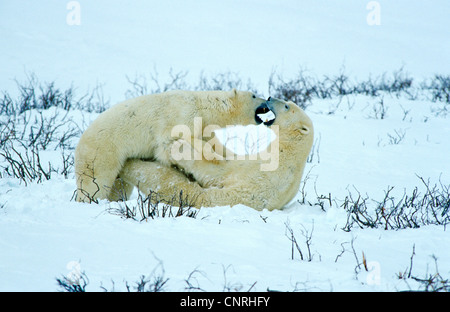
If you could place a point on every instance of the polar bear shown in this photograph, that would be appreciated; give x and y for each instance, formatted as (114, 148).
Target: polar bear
(141, 128)
(231, 182)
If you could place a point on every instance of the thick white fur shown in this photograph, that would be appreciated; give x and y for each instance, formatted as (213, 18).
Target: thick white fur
(231, 182)
(140, 128)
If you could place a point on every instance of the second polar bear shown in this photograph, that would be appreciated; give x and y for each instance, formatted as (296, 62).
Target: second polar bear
(141, 128)
(231, 182)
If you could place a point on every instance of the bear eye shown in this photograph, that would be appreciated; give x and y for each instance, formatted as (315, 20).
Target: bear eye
(286, 106)
(254, 96)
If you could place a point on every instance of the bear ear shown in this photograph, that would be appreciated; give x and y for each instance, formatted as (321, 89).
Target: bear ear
(300, 132)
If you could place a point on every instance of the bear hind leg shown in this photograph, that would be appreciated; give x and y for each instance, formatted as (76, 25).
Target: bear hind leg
(95, 180)
(120, 190)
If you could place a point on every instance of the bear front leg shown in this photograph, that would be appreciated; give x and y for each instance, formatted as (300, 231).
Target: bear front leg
(96, 171)
(206, 173)
(211, 150)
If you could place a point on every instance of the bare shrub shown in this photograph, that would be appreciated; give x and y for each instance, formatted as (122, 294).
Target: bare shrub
(68, 284)
(24, 139)
(307, 235)
(410, 211)
(300, 89)
(152, 206)
(439, 86)
(154, 282)
(141, 86)
(224, 81)
(35, 95)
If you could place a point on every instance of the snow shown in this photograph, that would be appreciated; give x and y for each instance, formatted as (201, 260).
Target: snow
(249, 37)
(44, 234)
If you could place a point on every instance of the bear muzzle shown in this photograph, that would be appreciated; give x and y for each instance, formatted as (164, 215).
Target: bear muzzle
(265, 114)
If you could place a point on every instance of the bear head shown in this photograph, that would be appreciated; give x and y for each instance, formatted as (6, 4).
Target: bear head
(240, 103)
(293, 122)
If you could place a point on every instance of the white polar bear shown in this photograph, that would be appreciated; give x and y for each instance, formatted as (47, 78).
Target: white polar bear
(231, 182)
(141, 128)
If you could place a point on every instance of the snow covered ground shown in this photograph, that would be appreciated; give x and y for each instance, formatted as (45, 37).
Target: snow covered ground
(252, 38)
(45, 235)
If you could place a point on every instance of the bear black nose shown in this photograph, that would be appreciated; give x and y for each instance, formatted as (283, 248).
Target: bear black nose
(264, 114)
